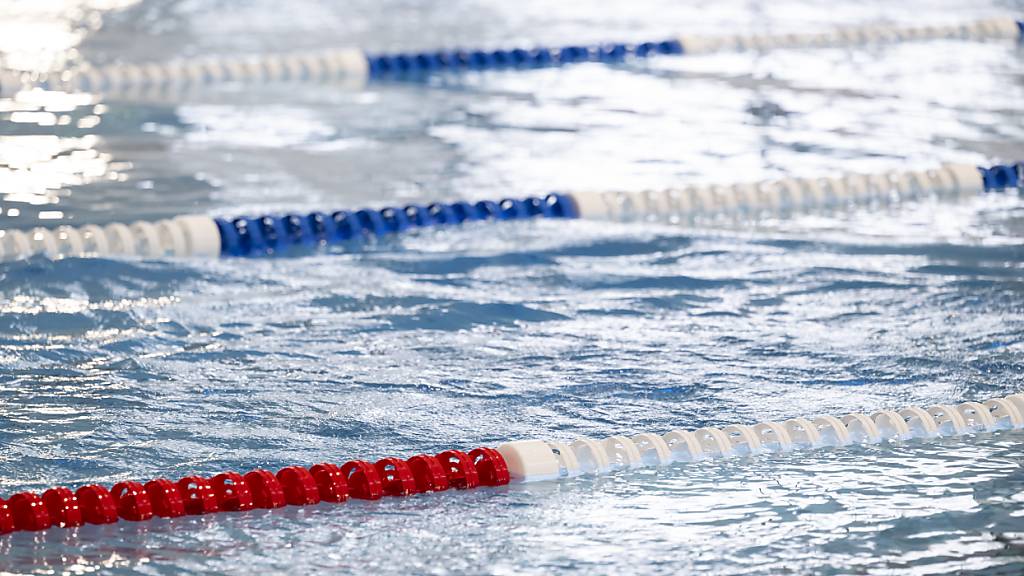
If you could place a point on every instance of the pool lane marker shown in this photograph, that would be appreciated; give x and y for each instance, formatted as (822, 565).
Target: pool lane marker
(356, 67)
(271, 235)
(257, 489)
(789, 196)
(538, 460)
(518, 461)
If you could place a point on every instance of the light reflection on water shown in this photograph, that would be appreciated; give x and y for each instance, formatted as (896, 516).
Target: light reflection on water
(42, 36)
(118, 369)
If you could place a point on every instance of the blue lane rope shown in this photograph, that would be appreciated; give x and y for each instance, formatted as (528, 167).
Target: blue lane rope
(265, 235)
(270, 234)
(354, 67)
(413, 64)
(1003, 176)
(200, 235)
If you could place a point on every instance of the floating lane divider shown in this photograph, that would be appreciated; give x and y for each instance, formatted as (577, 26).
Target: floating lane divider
(355, 65)
(519, 461)
(537, 460)
(234, 492)
(266, 235)
(282, 234)
(791, 196)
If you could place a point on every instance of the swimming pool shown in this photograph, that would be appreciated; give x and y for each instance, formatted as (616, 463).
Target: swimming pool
(125, 368)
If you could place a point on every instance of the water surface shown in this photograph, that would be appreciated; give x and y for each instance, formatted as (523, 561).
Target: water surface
(132, 369)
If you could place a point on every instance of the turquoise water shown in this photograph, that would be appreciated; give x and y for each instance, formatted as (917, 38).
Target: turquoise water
(131, 369)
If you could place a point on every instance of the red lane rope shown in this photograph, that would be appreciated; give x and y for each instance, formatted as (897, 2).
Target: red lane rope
(233, 492)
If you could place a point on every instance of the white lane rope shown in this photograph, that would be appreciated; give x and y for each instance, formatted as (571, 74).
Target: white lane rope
(538, 460)
(354, 67)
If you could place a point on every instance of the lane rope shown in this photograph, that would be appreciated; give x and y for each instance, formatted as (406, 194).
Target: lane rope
(61, 507)
(270, 235)
(357, 67)
(537, 460)
(789, 196)
(517, 461)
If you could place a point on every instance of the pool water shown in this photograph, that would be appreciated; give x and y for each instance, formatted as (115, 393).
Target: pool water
(131, 369)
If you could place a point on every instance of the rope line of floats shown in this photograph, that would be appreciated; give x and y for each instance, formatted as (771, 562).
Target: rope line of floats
(355, 66)
(511, 462)
(277, 234)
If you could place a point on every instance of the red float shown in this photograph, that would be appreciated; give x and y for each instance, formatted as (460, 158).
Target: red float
(331, 482)
(165, 498)
(300, 488)
(396, 477)
(266, 490)
(363, 480)
(132, 501)
(98, 506)
(232, 491)
(198, 495)
(62, 506)
(460, 469)
(29, 512)
(428, 473)
(6, 517)
(490, 466)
